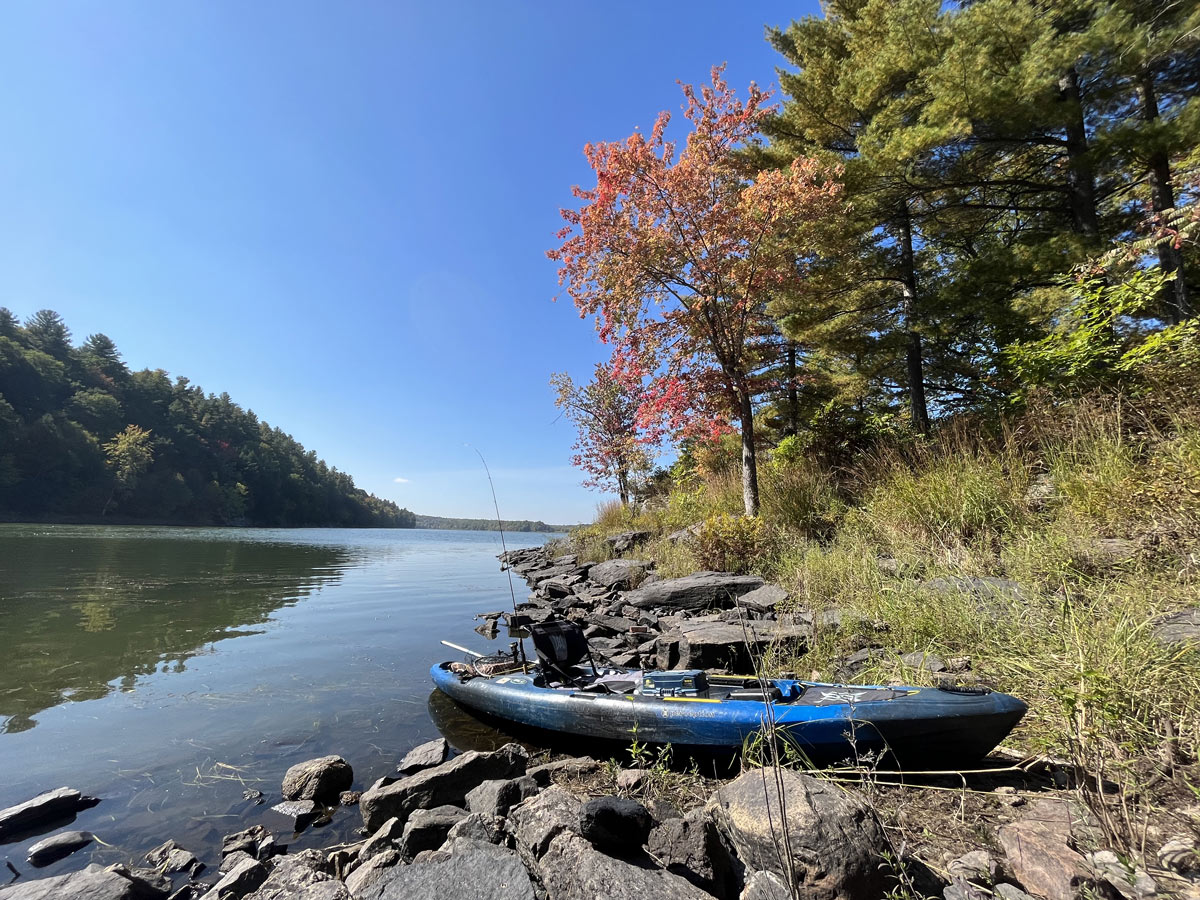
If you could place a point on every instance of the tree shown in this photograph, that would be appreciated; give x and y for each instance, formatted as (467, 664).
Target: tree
(129, 455)
(604, 412)
(678, 256)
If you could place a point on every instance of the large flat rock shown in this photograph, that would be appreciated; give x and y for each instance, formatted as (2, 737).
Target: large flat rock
(46, 807)
(472, 869)
(700, 590)
(709, 642)
(93, 883)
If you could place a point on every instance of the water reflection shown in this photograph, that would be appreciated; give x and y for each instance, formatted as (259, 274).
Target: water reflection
(86, 616)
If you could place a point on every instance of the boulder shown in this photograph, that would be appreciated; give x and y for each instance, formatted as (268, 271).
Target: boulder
(708, 642)
(448, 783)
(620, 574)
(362, 880)
(56, 804)
(626, 540)
(93, 883)
(919, 659)
(247, 841)
(764, 599)
(1176, 628)
(691, 848)
(465, 868)
(834, 835)
(478, 827)
(247, 876)
(384, 838)
(858, 662)
(425, 756)
(700, 590)
(1041, 861)
(497, 797)
(320, 779)
(57, 846)
(538, 821)
(427, 829)
(976, 866)
(615, 824)
(171, 858)
(294, 815)
(765, 886)
(1131, 882)
(572, 766)
(301, 877)
(573, 869)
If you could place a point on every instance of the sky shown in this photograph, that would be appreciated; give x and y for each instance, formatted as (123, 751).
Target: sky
(338, 212)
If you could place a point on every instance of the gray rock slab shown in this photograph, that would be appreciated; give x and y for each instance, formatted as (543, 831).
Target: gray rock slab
(621, 574)
(363, 880)
(764, 599)
(93, 883)
(426, 829)
(1178, 628)
(572, 766)
(497, 797)
(464, 869)
(43, 808)
(572, 869)
(700, 590)
(294, 815)
(297, 878)
(447, 784)
(425, 756)
(244, 878)
(537, 821)
(57, 846)
(626, 540)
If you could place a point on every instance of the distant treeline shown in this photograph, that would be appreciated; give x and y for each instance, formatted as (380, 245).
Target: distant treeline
(82, 437)
(484, 524)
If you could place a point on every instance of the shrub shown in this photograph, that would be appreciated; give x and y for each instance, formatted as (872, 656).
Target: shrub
(731, 543)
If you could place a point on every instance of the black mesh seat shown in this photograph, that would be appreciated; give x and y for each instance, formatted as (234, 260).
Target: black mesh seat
(559, 647)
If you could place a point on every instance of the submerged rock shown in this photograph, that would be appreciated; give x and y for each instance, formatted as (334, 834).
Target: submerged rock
(45, 807)
(57, 846)
(320, 779)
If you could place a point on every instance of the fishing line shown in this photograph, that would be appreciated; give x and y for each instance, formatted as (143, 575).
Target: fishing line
(503, 546)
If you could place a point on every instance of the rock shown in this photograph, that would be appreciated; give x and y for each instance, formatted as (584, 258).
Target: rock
(362, 880)
(466, 869)
(976, 866)
(621, 574)
(295, 815)
(1010, 892)
(856, 663)
(170, 858)
(427, 829)
(611, 624)
(349, 798)
(626, 540)
(710, 643)
(57, 846)
(320, 779)
(764, 599)
(573, 869)
(384, 838)
(959, 889)
(1041, 491)
(571, 767)
(700, 590)
(301, 877)
(919, 659)
(248, 875)
(231, 861)
(615, 824)
(631, 779)
(1176, 628)
(690, 848)
(93, 883)
(497, 797)
(1131, 882)
(538, 821)
(59, 803)
(254, 796)
(447, 783)
(834, 835)
(684, 535)
(765, 886)
(1179, 855)
(1040, 859)
(478, 827)
(425, 756)
(246, 841)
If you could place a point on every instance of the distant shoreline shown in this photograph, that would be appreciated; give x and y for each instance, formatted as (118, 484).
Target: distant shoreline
(427, 523)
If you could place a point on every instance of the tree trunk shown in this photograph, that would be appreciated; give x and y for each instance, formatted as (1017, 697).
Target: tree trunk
(792, 425)
(1081, 176)
(749, 460)
(1177, 304)
(623, 486)
(914, 360)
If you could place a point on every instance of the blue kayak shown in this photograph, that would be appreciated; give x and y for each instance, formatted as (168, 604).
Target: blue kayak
(918, 726)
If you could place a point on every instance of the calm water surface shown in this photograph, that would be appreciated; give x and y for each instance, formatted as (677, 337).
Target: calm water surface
(167, 670)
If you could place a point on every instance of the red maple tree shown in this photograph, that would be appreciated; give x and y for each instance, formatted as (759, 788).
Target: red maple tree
(678, 255)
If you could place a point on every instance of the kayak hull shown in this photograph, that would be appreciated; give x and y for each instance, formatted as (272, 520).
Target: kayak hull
(917, 726)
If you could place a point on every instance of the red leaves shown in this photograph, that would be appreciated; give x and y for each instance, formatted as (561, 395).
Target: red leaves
(678, 257)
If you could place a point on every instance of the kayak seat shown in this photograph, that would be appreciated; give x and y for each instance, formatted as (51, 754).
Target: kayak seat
(560, 645)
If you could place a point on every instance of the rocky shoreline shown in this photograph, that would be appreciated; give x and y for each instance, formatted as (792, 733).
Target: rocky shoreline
(500, 824)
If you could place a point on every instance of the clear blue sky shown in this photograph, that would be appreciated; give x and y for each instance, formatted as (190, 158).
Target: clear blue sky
(338, 212)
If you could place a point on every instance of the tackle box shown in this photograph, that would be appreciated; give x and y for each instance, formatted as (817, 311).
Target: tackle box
(688, 683)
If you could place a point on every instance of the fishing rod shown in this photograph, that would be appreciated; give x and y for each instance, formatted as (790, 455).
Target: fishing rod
(504, 547)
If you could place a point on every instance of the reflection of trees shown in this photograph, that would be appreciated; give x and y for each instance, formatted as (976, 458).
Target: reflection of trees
(84, 611)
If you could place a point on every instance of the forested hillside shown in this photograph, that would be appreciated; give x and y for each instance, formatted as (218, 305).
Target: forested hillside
(486, 524)
(83, 438)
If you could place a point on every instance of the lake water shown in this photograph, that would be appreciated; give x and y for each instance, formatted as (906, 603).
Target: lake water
(167, 670)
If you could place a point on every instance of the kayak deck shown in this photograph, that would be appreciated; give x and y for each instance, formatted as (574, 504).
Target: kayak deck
(825, 721)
